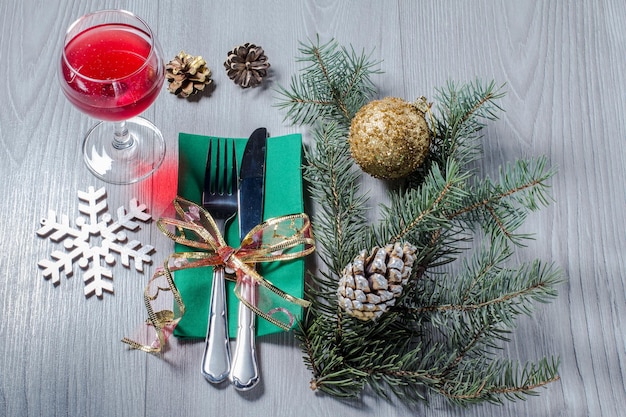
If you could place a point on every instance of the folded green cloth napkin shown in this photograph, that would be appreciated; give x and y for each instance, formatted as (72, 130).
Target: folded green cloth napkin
(283, 195)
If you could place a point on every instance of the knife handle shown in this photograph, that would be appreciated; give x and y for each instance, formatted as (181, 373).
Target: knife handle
(216, 359)
(244, 373)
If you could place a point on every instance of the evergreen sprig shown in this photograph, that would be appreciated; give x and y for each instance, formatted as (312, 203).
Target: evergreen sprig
(446, 330)
(334, 85)
(329, 162)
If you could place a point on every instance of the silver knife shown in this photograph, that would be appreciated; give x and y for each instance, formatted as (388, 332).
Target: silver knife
(244, 371)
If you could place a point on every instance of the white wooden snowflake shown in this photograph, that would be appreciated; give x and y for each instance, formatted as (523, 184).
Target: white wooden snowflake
(81, 247)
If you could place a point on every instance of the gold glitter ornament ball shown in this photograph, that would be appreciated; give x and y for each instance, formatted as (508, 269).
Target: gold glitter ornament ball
(389, 138)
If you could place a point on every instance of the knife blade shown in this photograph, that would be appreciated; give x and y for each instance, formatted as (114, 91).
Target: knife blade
(244, 374)
(252, 181)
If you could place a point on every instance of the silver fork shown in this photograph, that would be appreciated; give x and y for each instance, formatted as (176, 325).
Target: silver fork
(220, 201)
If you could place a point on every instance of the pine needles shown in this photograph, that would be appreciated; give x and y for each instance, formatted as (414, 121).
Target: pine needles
(334, 85)
(445, 333)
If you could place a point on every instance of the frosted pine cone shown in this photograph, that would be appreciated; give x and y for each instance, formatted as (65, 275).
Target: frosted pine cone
(369, 285)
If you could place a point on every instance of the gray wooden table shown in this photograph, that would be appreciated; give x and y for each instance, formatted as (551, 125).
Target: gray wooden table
(563, 65)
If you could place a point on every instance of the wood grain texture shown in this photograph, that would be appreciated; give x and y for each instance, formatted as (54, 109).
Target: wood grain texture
(562, 64)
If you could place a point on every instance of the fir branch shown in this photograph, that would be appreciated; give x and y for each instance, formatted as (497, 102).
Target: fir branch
(417, 210)
(501, 208)
(462, 113)
(342, 216)
(503, 379)
(515, 289)
(443, 334)
(435, 195)
(524, 176)
(334, 86)
(325, 357)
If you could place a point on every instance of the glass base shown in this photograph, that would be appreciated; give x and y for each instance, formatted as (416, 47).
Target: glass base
(125, 162)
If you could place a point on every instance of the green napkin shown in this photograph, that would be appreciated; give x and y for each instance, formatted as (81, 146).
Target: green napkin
(283, 195)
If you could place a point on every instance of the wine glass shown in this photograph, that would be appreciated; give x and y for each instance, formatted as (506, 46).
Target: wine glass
(112, 69)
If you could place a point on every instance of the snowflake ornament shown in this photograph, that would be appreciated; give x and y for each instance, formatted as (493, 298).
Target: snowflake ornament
(80, 247)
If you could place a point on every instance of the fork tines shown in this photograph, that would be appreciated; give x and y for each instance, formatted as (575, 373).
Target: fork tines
(222, 183)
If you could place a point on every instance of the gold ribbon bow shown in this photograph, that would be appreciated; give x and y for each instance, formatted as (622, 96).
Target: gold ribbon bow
(277, 239)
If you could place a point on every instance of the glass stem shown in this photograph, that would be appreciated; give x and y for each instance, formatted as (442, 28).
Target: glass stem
(122, 139)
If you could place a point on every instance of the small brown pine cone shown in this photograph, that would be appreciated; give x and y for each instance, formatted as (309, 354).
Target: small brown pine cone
(187, 74)
(247, 65)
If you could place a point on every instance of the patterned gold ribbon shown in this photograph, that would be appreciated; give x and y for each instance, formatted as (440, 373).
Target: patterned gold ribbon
(277, 239)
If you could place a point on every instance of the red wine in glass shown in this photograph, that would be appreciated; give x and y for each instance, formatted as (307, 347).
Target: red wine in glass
(112, 69)
(112, 52)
